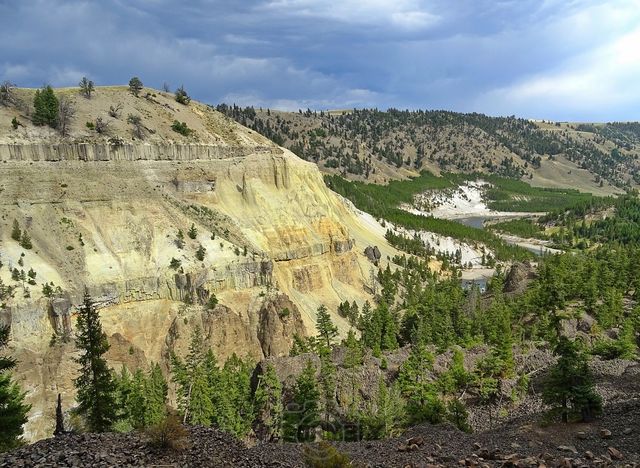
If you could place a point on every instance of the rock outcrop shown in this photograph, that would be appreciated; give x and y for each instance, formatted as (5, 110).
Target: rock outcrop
(103, 214)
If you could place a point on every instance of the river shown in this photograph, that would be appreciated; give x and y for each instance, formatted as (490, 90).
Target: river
(529, 244)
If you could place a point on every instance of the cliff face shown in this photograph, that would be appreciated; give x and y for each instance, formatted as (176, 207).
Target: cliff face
(277, 244)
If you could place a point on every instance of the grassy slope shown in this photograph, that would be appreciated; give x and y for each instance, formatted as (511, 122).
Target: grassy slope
(382, 201)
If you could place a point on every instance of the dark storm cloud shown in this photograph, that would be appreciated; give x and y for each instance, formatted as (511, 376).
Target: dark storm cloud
(559, 59)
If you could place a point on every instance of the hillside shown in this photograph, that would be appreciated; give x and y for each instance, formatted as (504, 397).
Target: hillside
(377, 146)
(260, 232)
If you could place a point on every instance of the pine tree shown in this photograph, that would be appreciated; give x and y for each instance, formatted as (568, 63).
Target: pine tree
(269, 408)
(135, 86)
(200, 253)
(181, 96)
(423, 402)
(458, 415)
(194, 390)
(16, 233)
(123, 391)
(327, 382)
(95, 386)
(86, 87)
(156, 390)
(354, 353)
(232, 398)
(193, 231)
(25, 241)
(180, 239)
(302, 415)
(13, 410)
(327, 331)
(569, 385)
(46, 109)
(299, 346)
(384, 416)
(138, 400)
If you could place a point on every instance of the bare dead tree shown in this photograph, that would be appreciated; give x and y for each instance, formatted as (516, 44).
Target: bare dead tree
(101, 126)
(138, 128)
(114, 111)
(66, 113)
(166, 88)
(59, 418)
(7, 96)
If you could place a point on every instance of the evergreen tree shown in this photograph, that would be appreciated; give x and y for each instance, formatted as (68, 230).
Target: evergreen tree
(156, 390)
(135, 86)
(327, 382)
(457, 414)
(181, 96)
(95, 386)
(233, 402)
(354, 352)
(194, 389)
(200, 253)
(45, 105)
(180, 239)
(269, 408)
(86, 87)
(123, 391)
(13, 410)
(299, 346)
(488, 382)
(193, 231)
(137, 403)
(569, 385)
(25, 240)
(327, 331)
(16, 233)
(301, 415)
(385, 415)
(414, 379)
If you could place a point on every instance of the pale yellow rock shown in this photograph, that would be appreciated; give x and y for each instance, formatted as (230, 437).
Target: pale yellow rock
(106, 216)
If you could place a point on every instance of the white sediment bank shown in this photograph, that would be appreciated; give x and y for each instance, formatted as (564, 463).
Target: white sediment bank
(465, 201)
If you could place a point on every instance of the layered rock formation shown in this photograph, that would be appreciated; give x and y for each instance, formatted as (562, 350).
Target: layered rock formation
(104, 215)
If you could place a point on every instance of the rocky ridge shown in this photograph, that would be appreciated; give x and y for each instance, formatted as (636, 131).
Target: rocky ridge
(103, 212)
(612, 441)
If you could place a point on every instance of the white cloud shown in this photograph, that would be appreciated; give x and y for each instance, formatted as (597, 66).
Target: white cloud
(588, 85)
(403, 14)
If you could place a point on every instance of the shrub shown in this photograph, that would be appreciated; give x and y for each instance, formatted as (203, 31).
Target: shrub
(325, 455)
(212, 302)
(15, 124)
(181, 96)
(200, 253)
(114, 111)
(193, 231)
(175, 263)
(181, 128)
(168, 434)
(90, 125)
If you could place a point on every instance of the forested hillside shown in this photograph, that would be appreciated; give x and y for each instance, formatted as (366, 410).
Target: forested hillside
(378, 145)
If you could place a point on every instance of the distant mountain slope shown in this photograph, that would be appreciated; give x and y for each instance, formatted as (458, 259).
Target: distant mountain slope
(377, 145)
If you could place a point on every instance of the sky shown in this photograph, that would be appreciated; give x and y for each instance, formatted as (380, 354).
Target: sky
(576, 60)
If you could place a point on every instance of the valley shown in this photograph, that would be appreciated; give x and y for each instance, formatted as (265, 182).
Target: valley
(224, 266)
